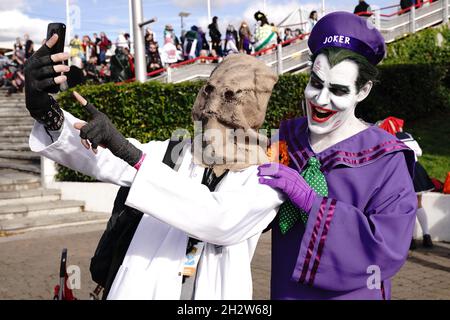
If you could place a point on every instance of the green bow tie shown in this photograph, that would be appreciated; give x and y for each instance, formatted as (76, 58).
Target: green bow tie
(290, 213)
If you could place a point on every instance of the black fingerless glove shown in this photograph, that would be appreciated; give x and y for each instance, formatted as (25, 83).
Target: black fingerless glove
(101, 131)
(39, 82)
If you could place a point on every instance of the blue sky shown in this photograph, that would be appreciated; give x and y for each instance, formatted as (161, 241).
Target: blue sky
(111, 16)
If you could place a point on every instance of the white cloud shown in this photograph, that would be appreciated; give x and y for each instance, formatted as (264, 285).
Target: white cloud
(14, 23)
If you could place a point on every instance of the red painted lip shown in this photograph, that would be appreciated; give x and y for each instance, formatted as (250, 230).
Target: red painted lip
(314, 113)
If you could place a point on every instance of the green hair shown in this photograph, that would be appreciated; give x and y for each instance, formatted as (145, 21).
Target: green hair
(367, 71)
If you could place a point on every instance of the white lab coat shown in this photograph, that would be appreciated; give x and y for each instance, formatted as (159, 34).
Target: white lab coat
(176, 206)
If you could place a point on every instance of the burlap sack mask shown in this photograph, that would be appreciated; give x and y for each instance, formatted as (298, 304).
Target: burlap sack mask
(229, 110)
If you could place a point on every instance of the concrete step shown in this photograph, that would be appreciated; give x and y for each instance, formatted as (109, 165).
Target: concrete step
(32, 166)
(5, 121)
(12, 106)
(14, 146)
(30, 223)
(13, 139)
(37, 209)
(25, 155)
(29, 196)
(13, 180)
(15, 134)
(15, 114)
(5, 130)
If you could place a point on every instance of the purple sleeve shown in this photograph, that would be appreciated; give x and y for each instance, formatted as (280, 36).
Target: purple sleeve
(343, 244)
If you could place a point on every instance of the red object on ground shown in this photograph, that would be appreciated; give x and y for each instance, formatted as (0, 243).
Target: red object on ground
(446, 188)
(67, 293)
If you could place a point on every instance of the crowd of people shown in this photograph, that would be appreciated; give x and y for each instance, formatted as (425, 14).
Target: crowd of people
(195, 43)
(103, 60)
(210, 46)
(11, 69)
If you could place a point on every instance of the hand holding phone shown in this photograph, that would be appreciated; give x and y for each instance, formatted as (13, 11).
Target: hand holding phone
(43, 75)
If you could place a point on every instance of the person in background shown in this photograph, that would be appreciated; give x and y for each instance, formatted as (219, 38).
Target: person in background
(312, 20)
(216, 57)
(202, 42)
(150, 37)
(104, 45)
(422, 182)
(17, 81)
(29, 46)
(121, 41)
(18, 44)
(95, 47)
(405, 6)
(154, 59)
(288, 34)
(76, 52)
(18, 59)
(90, 71)
(245, 38)
(216, 36)
(87, 47)
(202, 56)
(169, 34)
(265, 35)
(363, 9)
(128, 40)
(169, 54)
(231, 41)
(190, 43)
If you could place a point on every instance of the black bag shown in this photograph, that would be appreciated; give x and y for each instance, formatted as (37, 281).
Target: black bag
(122, 225)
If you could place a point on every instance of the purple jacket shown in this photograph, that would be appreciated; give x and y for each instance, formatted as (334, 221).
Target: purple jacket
(365, 223)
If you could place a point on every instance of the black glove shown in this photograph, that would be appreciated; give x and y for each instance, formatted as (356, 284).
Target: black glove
(39, 81)
(101, 132)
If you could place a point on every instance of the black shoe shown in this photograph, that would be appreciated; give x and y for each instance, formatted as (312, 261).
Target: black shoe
(413, 245)
(427, 243)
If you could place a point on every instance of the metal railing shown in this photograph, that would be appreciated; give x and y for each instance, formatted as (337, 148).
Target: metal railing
(293, 55)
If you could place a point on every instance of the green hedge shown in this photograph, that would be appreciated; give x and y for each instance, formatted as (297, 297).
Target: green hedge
(429, 46)
(407, 91)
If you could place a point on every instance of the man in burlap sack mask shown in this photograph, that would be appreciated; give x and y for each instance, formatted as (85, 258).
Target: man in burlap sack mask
(212, 204)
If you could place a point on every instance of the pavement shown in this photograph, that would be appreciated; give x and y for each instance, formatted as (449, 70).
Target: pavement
(29, 265)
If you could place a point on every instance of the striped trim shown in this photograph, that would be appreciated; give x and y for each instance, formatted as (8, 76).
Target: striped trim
(359, 154)
(362, 160)
(312, 241)
(323, 237)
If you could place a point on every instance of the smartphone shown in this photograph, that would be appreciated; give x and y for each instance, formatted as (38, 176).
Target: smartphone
(60, 30)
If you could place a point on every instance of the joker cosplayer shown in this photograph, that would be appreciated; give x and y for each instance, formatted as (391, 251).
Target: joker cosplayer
(346, 230)
(220, 228)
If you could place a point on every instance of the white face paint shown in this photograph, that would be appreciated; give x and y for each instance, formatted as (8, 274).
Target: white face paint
(331, 95)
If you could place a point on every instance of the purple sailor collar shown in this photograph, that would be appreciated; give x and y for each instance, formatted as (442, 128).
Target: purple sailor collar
(359, 150)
